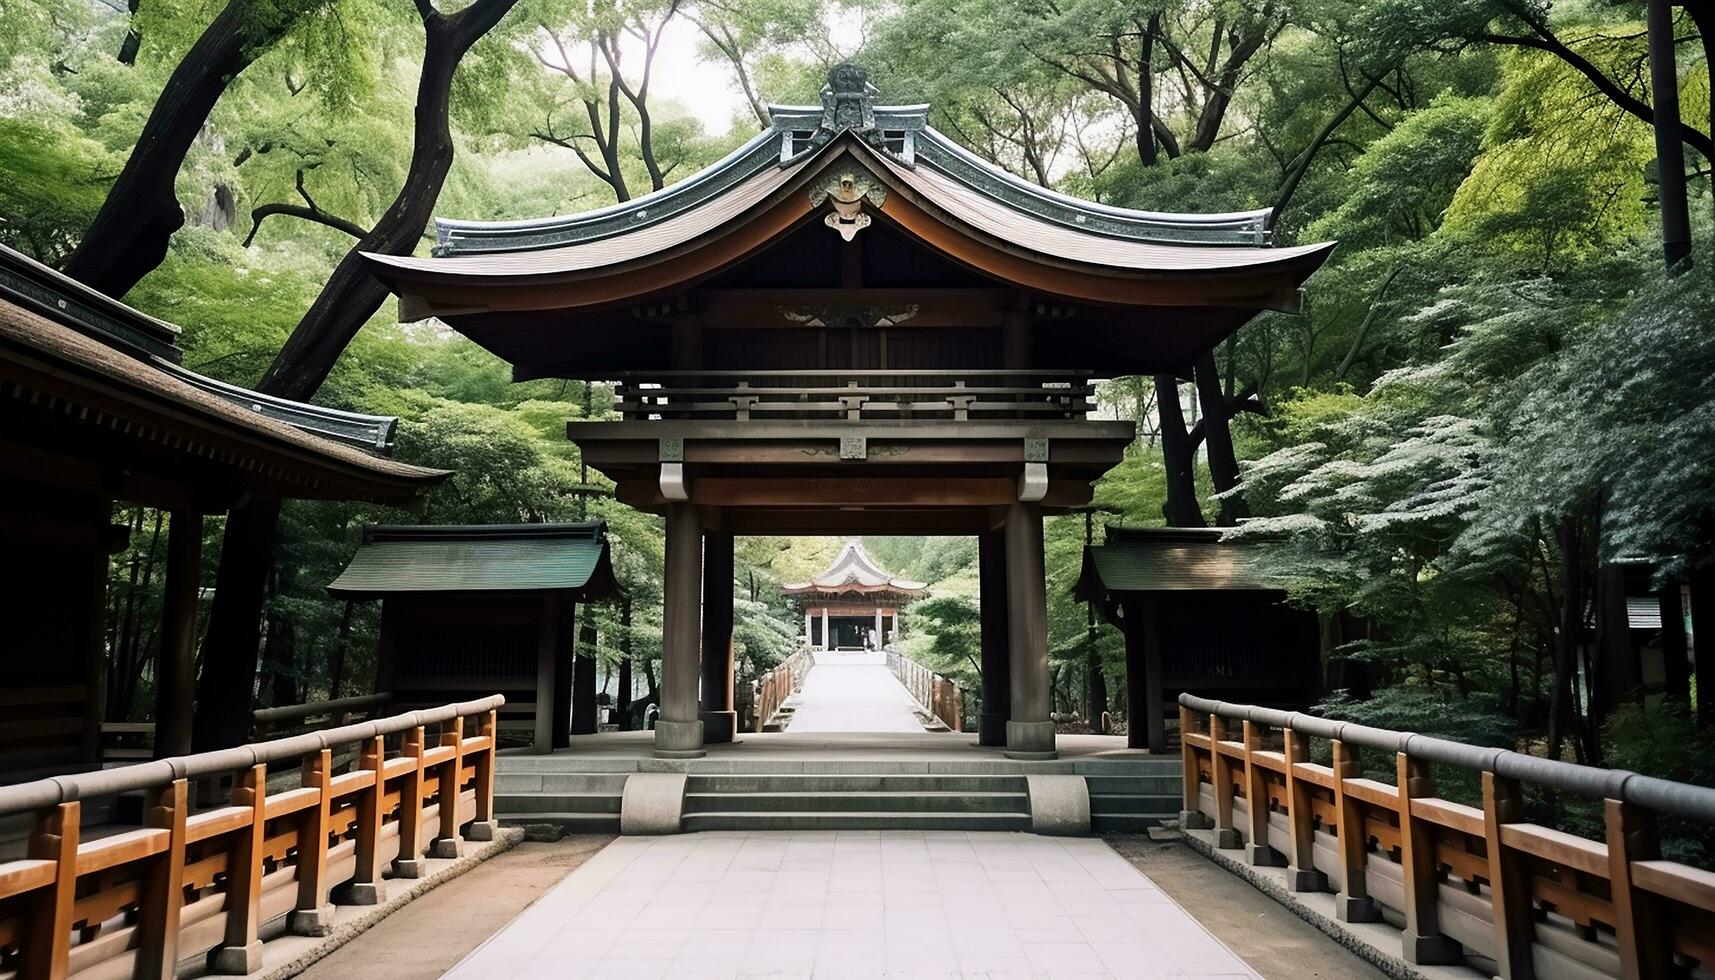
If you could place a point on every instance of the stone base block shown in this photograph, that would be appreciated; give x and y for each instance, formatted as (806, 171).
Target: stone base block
(236, 961)
(310, 922)
(1305, 879)
(1059, 805)
(446, 848)
(1194, 820)
(1431, 950)
(1228, 839)
(1262, 856)
(366, 893)
(410, 868)
(719, 726)
(653, 803)
(482, 831)
(679, 739)
(1349, 909)
(1030, 740)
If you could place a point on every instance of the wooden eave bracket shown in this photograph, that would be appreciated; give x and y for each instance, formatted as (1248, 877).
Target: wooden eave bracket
(1033, 482)
(671, 453)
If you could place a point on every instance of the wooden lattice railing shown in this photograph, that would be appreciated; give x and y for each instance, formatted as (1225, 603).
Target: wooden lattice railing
(142, 900)
(855, 395)
(1483, 884)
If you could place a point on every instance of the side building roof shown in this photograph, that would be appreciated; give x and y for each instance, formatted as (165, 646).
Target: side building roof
(464, 558)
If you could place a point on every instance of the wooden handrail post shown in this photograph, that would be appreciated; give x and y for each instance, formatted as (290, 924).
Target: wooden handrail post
(1509, 880)
(241, 951)
(163, 894)
(1301, 873)
(1221, 768)
(1257, 851)
(313, 915)
(483, 828)
(1353, 903)
(1422, 939)
(447, 842)
(409, 861)
(55, 839)
(1646, 948)
(1191, 816)
(367, 886)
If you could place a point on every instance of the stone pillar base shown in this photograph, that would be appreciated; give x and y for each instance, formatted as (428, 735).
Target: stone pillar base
(678, 739)
(1349, 909)
(1228, 839)
(1432, 950)
(991, 728)
(1305, 880)
(1030, 740)
(719, 726)
(236, 961)
(410, 868)
(366, 893)
(446, 848)
(482, 830)
(1262, 856)
(1194, 820)
(310, 922)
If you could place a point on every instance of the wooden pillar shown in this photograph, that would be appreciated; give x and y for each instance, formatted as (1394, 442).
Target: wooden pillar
(367, 886)
(879, 644)
(1257, 850)
(1016, 344)
(583, 720)
(448, 844)
(1191, 806)
(1146, 726)
(175, 671)
(996, 648)
(1301, 873)
(720, 721)
(1676, 664)
(48, 924)
(240, 952)
(809, 635)
(547, 672)
(1353, 904)
(1422, 940)
(827, 639)
(1640, 932)
(408, 863)
(1029, 732)
(163, 895)
(1617, 675)
(1703, 642)
(312, 915)
(562, 624)
(93, 642)
(484, 826)
(1509, 880)
(686, 341)
(679, 732)
(1221, 775)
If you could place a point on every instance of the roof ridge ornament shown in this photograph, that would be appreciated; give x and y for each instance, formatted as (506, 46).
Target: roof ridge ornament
(848, 100)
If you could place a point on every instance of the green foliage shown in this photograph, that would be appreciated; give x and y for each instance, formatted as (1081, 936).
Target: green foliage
(54, 182)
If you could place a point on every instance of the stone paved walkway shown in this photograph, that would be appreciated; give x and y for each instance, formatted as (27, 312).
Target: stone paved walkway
(852, 692)
(882, 904)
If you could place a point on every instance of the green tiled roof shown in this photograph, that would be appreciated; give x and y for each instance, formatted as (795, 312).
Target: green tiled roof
(1172, 560)
(480, 558)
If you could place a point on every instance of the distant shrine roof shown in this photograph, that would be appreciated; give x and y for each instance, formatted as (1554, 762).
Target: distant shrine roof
(854, 571)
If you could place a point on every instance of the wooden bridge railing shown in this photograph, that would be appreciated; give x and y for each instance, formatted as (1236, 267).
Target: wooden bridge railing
(855, 395)
(940, 696)
(1483, 884)
(142, 900)
(771, 690)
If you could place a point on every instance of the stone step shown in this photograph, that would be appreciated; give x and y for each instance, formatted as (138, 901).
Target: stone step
(557, 782)
(852, 783)
(556, 802)
(1134, 803)
(800, 820)
(871, 801)
(1167, 785)
(1126, 823)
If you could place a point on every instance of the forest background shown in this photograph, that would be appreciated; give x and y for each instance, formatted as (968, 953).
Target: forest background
(1493, 397)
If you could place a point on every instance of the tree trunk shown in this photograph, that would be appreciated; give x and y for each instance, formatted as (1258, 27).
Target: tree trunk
(336, 656)
(1178, 455)
(129, 235)
(1218, 439)
(348, 300)
(1566, 643)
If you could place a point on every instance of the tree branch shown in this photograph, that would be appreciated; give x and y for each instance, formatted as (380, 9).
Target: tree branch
(351, 228)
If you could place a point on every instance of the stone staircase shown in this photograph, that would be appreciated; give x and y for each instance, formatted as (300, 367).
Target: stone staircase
(544, 790)
(1133, 795)
(868, 801)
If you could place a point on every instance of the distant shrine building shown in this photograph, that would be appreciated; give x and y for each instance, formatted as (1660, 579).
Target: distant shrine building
(853, 604)
(850, 325)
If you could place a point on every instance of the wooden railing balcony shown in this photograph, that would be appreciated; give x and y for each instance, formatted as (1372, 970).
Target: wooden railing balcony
(191, 880)
(1482, 883)
(855, 396)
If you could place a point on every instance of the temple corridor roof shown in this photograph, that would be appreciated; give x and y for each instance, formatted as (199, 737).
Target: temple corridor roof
(853, 570)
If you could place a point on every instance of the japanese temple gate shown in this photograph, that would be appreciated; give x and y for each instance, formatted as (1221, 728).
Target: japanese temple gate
(851, 325)
(840, 604)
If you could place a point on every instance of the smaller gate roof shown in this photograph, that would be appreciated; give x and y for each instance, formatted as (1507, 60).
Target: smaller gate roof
(1173, 560)
(452, 558)
(853, 571)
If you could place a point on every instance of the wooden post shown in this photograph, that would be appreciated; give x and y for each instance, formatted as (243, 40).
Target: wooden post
(367, 887)
(583, 640)
(1676, 664)
(827, 638)
(241, 951)
(1301, 873)
(1221, 773)
(996, 649)
(1353, 903)
(1191, 816)
(1154, 723)
(562, 624)
(1029, 732)
(409, 861)
(1646, 948)
(1423, 941)
(547, 673)
(447, 842)
(1257, 850)
(1509, 880)
(48, 950)
(175, 675)
(163, 894)
(484, 826)
(720, 722)
(312, 915)
(679, 732)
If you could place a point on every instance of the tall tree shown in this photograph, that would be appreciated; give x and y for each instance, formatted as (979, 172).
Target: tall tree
(349, 299)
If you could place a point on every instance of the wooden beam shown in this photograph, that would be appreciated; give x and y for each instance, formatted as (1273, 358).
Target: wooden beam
(723, 309)
(175, 672)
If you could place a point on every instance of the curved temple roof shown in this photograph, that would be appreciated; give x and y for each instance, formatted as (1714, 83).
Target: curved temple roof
(854, 571)
(903, 154)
